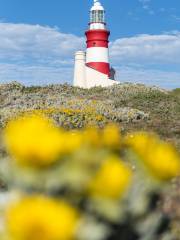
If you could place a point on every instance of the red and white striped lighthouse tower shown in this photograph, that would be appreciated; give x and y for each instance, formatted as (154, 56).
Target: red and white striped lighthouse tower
(95, 71)
(97, 53)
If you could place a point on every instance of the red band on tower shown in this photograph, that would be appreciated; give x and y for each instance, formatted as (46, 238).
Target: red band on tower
(97, 50)
(97, 38)
(100, 67)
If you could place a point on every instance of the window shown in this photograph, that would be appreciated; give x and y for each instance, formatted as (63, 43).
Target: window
(97, 16)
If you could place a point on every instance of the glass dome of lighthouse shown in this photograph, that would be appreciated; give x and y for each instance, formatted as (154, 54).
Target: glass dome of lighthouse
(97, 16)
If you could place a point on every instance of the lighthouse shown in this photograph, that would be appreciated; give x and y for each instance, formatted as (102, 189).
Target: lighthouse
(92, 67)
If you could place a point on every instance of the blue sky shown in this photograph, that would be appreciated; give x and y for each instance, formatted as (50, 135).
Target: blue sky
(38, 39)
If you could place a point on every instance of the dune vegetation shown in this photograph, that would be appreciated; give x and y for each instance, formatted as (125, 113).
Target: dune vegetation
(97, 164)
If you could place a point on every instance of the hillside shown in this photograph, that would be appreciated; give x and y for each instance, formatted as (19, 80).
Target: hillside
(124, 186)
(133, 106)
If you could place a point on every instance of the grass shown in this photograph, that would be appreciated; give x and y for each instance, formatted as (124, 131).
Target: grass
(164, 110)
(163, 106)
(176, 92)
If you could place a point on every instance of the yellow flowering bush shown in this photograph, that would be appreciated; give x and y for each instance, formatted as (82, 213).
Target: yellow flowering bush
(33, 140)
(112, 179)
(111, 136)
(92, 136)
(72, 117)
(38, 217)
(141, 142)
(100, 172)
(72, 141)
(160, 158)
(164, 162)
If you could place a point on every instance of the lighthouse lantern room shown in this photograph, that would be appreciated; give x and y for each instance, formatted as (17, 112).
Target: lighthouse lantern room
(92, 67)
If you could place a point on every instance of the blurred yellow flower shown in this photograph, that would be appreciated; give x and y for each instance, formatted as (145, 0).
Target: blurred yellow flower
(40, 218)
(160, 158)
(112, 180)
(34, 141)
(73, 141)
(164, 162)
(142, 142)
(111, 136)
(92, 136)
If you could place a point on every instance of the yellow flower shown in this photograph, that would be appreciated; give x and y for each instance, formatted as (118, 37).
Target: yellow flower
(111, 136)
(40, 218)
(164, 162)
(112, 180)
(34, 141)
(92, 136)
(141, 142)
(99, 118)
(160, 158)
(73, 141)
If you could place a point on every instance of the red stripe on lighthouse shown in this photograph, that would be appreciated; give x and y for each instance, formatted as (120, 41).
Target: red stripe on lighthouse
(97, 50)
(96, 43)
(97, 38)
(100, 67)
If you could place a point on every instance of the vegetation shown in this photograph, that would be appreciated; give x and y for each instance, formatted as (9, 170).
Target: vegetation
(114, 103)
(176, 91)
(79, 184)
(97, 164)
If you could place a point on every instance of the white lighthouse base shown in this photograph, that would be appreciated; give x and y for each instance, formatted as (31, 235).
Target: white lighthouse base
(86, 77)
(95, 79)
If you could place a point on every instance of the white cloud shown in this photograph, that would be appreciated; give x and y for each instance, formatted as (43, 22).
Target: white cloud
(34, 74)
(164, 48)
(34, 54)
(22, 41)
(164, 79)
